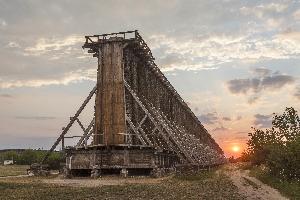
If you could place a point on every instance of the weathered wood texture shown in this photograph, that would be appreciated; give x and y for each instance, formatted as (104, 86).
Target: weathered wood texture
(119, 158)
(136, 104)
(147, 84)
(110, 102)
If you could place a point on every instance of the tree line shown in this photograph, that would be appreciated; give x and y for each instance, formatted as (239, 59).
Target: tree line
(29, 156)
(278, 148)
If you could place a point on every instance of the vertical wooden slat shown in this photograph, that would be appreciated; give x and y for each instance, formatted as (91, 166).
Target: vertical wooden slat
(98, 139)
(110, 110)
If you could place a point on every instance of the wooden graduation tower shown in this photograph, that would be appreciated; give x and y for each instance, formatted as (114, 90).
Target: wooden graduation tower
(140, 124)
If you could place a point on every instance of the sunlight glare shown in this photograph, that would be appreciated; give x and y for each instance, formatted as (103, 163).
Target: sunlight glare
(236, 148)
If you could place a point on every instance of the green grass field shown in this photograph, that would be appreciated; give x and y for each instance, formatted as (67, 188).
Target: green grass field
(13, 170)
(290, 189)
(205, 185)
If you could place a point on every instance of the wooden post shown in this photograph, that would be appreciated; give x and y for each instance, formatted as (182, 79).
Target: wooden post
(110, 96)
(63, 143)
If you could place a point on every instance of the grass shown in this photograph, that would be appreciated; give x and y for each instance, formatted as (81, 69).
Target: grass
(249, 182)
(290, 189)
(13, 170)
(203, 185)
(199, 176)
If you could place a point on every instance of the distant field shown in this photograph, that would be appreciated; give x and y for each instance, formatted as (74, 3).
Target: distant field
(205, 185)
(13, 170)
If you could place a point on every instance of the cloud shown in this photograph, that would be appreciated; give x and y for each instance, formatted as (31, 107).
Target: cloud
(263, 10)
(241, 138)
(226, 118)
(18, 142)
(296, 14)
(263, 80)
(193, 36)
(274, 7)
(290, 37)
(171, 59)
(237, 86)
(35, 117)
(2, 23)
(209, 51)
(267, 16)
(276, 81)
(297, 93)
(231, 119)
(221, 128)
(208, 118)
(257, 84)
(261, 71)
(241, 133)
(6, 96)
(71, 77)
(13, 45)
(57, 64)
(262, 121)
(243, 85)
(45, 45)
(43, 39)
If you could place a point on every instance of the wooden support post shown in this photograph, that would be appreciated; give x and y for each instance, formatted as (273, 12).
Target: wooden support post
(63, 143)
(110, 97)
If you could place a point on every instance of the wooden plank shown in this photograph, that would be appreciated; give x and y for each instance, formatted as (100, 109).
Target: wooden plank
(97, 138)
(110, 109)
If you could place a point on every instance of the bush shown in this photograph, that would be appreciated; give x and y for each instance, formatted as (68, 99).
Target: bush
(278, 147)
(29, 156)
(284, 161)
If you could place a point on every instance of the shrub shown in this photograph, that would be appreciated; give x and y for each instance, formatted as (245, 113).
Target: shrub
(279, 146)
(29, 156)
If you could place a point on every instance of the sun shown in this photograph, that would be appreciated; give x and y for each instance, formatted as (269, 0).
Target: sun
(235, 148)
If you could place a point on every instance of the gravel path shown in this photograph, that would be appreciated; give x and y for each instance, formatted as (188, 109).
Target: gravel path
(251, 187)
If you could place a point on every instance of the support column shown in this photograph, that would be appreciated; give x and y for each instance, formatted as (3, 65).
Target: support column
(110, 96)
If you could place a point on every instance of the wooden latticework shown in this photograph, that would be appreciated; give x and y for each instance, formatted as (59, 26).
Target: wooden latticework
(135, 105)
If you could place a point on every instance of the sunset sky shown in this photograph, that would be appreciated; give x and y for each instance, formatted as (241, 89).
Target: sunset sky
(234, 62)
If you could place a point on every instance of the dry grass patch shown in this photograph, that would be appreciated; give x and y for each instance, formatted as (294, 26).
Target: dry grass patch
(204, 185)
(13, 170)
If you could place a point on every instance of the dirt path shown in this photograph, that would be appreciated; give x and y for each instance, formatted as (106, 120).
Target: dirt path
(251, 187)
(87, 182)
(17, 176)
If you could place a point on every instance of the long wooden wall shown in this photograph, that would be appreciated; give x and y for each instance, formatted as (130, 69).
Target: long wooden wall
(147, 84)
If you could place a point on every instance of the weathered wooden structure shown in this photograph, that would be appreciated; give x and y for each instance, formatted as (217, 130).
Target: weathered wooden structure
(140, 121)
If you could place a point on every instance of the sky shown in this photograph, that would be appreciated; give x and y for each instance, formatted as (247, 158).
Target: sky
(234, 62)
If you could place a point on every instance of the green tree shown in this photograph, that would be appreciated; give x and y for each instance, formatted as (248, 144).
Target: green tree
(9, 155)
(55, 159)
(287, 125)
(279, 146)
(27, 157)
(260, 144)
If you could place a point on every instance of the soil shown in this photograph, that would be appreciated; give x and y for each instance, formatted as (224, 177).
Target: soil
(250, 187)
(88, 182)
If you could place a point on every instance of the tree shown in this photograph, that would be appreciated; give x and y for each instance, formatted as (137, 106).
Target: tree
(27, 157)
(260, 143)
(9, 155)
(279, 146)
(287, 125)
(30, 156)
